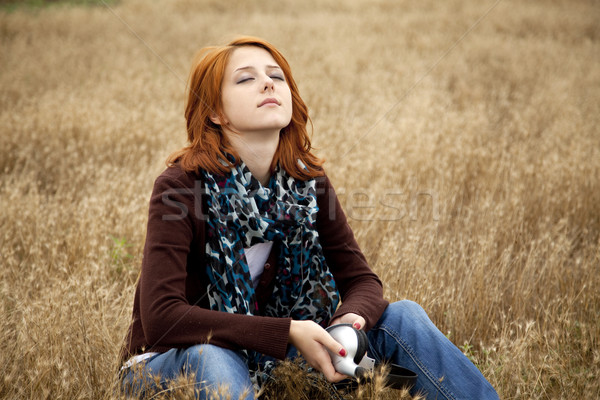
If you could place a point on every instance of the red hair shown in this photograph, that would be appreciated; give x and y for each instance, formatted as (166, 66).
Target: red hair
(207, 143)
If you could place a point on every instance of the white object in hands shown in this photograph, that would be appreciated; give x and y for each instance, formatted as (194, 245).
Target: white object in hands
(355, 363)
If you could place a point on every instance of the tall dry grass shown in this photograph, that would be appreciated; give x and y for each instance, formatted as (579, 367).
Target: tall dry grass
(462, 137)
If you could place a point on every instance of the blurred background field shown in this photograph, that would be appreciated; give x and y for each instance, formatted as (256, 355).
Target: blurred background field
(462, 138)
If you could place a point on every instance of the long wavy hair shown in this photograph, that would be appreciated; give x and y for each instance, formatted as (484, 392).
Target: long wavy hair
(207, 143)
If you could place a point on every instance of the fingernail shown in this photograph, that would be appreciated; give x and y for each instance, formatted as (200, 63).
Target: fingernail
(357, 325)
(342, 352)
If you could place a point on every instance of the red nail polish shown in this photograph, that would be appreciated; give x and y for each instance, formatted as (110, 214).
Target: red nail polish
(342, 352)
(357, 325)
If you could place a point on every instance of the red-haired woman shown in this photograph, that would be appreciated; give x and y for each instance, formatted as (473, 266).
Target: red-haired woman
(248, 253)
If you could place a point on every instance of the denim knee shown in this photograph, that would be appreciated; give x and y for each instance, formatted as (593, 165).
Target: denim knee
(407, 306)
(212, 368)
(403, 310)
(194, 357)
(208, 360)
(218, 367)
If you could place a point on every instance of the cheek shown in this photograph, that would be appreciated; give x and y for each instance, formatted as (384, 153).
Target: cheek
(288, 100)
(230, 103)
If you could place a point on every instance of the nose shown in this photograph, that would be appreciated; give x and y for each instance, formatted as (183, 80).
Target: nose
(268, 85)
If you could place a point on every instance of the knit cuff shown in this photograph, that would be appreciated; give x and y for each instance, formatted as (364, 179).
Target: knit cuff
(274, 335)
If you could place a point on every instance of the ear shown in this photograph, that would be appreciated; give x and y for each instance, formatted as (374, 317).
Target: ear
(214, 117)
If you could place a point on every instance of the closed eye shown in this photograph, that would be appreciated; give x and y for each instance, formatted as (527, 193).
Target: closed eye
(245, 80)
(281, 78)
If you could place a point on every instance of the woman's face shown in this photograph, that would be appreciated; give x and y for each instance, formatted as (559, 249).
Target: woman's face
(254, 93)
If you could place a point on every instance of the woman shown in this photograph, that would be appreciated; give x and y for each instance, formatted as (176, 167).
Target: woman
(248, 253)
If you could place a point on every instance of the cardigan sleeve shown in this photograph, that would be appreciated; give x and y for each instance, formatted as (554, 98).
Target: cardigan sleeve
(360, 288)
(170, 291)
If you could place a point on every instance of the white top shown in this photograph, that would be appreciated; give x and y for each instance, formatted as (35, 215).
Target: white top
(257, 256)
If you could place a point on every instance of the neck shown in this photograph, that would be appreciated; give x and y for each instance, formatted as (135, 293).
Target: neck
(257, 151)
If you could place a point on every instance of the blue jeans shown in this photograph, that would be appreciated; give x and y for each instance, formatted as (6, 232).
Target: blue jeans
(216, 370)
(404, 335)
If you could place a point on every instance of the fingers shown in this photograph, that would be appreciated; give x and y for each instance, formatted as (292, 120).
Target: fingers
(359, 322)
(313, 342)
(331, 374)
(332, 345)
(353, 319)
(321, 361)
(307, 334)
(325, 365)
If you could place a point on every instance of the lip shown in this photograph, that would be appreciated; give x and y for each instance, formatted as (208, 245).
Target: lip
(270, 100)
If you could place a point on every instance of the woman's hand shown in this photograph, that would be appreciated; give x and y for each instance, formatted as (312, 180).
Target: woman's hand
(313, 341)
(350, 318)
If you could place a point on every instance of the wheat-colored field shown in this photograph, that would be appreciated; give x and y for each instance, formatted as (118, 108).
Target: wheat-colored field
(462, 137)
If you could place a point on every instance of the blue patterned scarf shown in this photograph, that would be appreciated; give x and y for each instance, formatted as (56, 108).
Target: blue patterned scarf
(241, 213)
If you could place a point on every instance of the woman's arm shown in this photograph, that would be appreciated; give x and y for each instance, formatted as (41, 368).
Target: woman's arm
(360, 288)
(171, 289)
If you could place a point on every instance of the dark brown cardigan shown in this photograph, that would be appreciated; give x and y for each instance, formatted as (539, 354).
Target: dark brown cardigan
(170, 307)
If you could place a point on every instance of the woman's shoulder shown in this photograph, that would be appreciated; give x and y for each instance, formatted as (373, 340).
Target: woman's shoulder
(177, 175)
(323, 182)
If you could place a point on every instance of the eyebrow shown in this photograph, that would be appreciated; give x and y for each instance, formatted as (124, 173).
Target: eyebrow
(251, 67)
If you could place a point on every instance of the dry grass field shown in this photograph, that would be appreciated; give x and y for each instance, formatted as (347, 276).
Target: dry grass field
(462, 136)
